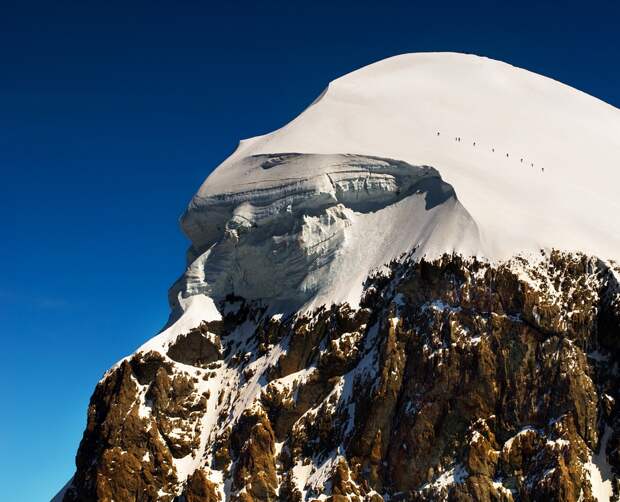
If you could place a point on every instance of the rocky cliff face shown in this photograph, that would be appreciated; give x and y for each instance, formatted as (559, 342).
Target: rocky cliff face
(455, 380)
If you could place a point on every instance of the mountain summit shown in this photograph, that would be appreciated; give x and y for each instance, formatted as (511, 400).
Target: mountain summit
(409, 292)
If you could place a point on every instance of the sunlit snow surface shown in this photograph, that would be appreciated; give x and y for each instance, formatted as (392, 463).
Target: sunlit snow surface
(533, 164)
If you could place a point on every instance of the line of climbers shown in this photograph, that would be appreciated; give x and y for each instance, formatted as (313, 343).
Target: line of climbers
(458, 140)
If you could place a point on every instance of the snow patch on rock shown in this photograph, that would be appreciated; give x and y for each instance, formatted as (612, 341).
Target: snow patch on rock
(599, 470)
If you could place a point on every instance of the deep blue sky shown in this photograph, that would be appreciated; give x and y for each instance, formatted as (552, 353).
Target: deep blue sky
(111, 116)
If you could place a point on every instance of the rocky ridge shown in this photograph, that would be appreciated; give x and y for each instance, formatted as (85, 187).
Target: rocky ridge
(455, 379)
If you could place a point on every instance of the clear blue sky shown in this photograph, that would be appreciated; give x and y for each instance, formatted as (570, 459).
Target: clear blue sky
(110, 118)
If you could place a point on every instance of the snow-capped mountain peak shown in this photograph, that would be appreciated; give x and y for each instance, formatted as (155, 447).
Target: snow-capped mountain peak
(372, 310)
(529, 163)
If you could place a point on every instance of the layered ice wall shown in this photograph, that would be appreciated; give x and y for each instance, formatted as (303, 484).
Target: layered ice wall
(294, 229)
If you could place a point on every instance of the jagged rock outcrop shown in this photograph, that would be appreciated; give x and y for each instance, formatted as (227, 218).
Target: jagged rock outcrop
(455, 379)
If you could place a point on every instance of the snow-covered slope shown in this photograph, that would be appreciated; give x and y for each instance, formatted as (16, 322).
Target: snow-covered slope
(534, 164)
